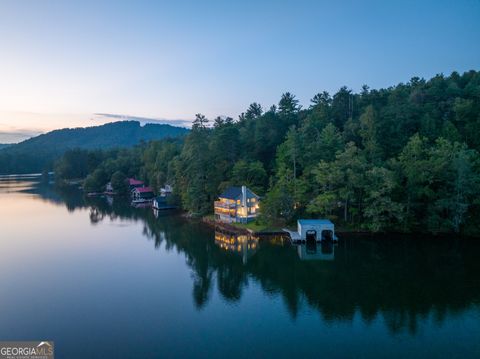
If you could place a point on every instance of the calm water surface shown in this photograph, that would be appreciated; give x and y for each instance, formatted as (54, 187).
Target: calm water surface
(104, 280)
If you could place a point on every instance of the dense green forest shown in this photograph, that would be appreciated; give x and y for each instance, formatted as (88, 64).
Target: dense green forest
(403, 158)
(39, 153)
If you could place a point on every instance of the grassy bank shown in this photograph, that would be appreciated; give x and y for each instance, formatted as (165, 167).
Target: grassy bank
(252, 227)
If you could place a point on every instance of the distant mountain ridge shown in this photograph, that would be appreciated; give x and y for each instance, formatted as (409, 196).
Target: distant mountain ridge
(38, 153)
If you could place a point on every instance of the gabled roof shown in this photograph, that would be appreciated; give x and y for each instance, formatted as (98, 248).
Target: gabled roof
(236, 193)
(143, 189)
(134, 182)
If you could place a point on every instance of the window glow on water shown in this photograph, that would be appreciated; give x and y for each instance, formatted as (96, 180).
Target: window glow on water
(110, 281)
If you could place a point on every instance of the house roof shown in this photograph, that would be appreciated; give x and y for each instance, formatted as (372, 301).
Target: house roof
(236, 193)
(143, 189)
(134, 182)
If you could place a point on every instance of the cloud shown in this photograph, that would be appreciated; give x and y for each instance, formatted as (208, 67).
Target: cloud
(18, 135)
(142, 120)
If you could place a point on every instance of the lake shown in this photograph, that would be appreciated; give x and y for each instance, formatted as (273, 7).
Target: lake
(105, 280)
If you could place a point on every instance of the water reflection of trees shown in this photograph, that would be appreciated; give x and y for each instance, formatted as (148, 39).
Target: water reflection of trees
(405, 281)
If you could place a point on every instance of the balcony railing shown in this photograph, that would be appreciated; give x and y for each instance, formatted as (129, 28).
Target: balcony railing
(219, 204)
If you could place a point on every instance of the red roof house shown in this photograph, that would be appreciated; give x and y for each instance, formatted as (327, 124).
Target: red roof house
(142, 193)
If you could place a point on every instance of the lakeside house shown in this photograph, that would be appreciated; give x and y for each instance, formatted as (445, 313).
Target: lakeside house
(166, 191)
(134, 183)
(142, 194)
(109, 189)
(236, 205)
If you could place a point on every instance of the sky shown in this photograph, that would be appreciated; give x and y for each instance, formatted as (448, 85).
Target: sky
(75, 63)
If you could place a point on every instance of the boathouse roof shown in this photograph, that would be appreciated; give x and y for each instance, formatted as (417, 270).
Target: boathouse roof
(235, 193)
(314, 221)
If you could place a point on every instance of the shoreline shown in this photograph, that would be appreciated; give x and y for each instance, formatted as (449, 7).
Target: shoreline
(207, 220)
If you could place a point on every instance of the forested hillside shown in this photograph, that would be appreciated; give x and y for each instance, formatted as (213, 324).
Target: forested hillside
(38, 153)
(403, 158)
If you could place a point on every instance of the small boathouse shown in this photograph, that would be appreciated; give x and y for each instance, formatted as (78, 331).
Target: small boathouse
(313, 230)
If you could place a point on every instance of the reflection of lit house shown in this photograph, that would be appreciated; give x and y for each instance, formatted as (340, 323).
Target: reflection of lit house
(245, 245)
(142, 194)
(134, 183)
(313, 230)
(236, 204)
(109, 200)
